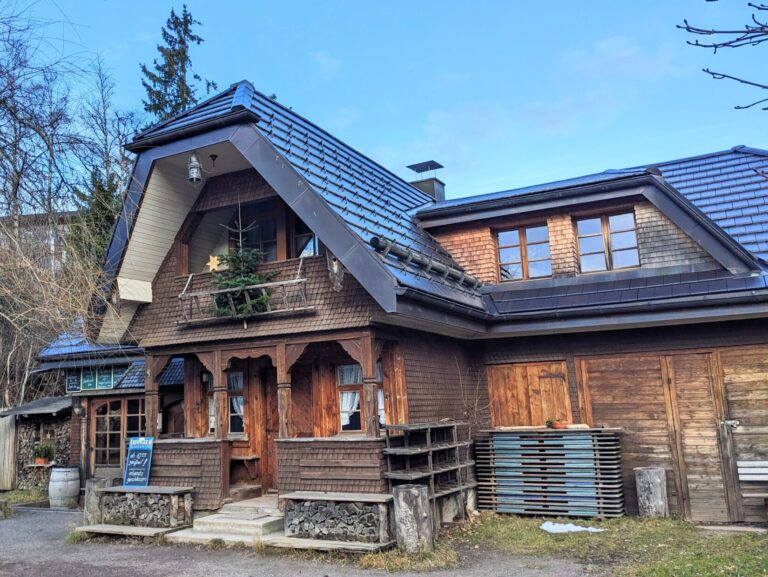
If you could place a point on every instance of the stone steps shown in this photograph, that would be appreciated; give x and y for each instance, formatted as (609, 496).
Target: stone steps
(282, 542)
(194, 537)
(224, 523)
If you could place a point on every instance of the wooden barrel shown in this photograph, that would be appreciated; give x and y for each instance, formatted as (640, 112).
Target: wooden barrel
(64, 488)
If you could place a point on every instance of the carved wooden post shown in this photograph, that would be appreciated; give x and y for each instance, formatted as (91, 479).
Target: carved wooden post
(220, 399)
(284, 401)
(154, 365)
(370, 387)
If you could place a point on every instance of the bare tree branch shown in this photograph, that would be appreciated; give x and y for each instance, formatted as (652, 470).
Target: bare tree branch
(752, 33)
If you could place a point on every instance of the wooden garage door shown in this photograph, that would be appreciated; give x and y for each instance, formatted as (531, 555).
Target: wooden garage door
(628, 392)
(528, 393)
(745, 379)
(666, 405)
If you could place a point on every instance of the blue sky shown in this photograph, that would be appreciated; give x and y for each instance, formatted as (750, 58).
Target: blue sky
(503, 93)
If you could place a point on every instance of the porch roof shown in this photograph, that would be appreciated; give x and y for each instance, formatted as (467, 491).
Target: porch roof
(46, 406)
(134, 377)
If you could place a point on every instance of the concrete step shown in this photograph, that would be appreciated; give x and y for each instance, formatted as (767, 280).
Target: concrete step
(227, 524)
(282, 542)
(244, 492)
(194, 537)
(252, 508)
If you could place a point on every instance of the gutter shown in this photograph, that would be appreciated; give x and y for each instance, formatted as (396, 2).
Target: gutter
(533, 197)
(238, 117)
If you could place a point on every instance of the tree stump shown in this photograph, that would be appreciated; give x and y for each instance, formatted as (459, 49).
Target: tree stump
(92, 513)
(414, 530)
(5, 509)
(651, 483)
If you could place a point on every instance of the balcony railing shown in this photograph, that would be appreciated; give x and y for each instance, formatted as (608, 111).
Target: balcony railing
(242, 303)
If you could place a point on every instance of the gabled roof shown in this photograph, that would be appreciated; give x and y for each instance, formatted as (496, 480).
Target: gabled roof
(371, 201)
(729, 187)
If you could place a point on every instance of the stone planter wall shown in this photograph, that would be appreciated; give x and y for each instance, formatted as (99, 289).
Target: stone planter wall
(146, 509)
(337, 521)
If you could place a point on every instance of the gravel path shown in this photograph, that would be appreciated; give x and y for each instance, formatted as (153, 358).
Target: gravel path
(32, 544)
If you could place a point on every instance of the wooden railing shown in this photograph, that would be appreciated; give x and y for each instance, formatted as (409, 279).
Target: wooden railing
(242, 303)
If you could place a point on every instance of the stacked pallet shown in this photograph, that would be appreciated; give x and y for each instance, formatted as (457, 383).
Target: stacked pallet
(539, 471)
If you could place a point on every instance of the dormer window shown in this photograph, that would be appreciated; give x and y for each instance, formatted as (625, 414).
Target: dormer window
(524, 253)
(607, 242)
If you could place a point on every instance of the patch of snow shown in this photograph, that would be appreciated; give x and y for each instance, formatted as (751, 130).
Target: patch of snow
(551, 527)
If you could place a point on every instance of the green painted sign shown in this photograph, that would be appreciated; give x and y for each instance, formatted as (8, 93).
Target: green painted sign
(88, 380)
(104, 379)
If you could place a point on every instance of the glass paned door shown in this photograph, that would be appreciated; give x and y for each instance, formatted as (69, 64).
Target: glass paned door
(108, 433)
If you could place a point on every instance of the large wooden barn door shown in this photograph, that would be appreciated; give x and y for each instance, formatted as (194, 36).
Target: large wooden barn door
(671, 408)
(528, 393)
(629, 392)
(695, 421)
(744, 373)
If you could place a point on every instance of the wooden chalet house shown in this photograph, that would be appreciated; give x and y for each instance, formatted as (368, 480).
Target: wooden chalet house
(631, 298)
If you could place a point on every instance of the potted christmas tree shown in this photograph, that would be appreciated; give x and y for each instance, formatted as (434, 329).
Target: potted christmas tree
(238, 270)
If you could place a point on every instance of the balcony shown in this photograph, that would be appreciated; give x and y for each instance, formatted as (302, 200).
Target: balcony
(201, 303)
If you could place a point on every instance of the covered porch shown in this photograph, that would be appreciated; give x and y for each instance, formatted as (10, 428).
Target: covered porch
(302, 413)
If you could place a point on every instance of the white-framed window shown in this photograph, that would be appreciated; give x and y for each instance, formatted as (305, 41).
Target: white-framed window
(349, 379)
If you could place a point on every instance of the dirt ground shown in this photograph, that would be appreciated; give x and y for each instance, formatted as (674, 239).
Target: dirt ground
(32, 544)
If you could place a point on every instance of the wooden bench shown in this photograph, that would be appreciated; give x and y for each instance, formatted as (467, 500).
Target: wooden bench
(754, 472)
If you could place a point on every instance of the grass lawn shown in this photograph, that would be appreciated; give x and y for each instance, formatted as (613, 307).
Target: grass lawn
(18, 496)
(629, 546)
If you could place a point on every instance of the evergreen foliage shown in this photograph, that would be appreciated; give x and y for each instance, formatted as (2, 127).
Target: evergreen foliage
(98, 206)
(240, 271)
(168, 86)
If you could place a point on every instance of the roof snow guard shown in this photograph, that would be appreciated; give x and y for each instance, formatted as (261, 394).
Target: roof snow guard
(370, 200)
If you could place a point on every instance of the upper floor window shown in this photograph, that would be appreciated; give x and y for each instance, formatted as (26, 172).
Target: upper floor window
(304, 240)
(524, 253)
(607, 242)
(260, 222)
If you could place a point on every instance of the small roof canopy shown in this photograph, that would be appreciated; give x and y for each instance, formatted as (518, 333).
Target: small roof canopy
(46, 406)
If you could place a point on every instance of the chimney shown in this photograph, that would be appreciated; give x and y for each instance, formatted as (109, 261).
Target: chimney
(432, 185)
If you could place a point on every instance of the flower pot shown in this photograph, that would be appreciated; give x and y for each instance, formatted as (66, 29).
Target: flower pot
(560, 425)
(41, 460)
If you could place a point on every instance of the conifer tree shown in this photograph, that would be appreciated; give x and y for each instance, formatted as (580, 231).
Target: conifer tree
(239, 269)
(97, 207)
(168, 83)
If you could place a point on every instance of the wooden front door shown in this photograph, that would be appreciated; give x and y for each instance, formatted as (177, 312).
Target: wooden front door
(528, 393)
(113, 421)
(670, 407)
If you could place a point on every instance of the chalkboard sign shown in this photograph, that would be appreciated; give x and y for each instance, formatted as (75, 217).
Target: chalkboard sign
(73, 382)
(89, 379)
(104, 379)
(138, 462)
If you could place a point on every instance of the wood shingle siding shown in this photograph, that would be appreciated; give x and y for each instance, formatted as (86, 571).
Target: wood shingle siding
(474, 248)
(661, 243)
(354, 465)
(202, 464)
(155, 324)
(444, 380)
